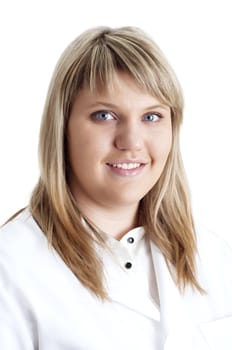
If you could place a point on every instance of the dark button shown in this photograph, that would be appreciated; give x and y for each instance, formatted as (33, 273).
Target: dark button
(130, 240)
(128, 265)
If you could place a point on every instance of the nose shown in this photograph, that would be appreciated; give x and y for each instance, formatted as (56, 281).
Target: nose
(129, 137)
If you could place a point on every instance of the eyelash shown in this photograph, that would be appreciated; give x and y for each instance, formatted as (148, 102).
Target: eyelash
(154, 114)
(94, 115)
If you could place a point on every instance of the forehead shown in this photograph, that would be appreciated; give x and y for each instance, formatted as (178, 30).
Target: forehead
(122, 89)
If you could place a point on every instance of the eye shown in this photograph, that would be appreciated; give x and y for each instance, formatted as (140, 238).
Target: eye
(103, 115)
(152, 117)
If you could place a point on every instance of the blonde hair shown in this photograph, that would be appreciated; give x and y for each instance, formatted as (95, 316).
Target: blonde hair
(92, 60)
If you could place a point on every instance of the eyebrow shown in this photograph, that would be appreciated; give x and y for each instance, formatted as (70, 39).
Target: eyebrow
(111, 105)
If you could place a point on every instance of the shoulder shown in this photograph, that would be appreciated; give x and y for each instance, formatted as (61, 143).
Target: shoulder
(214, 262)
(24, 248)
(27, 262)
(211, 246)
(21, 234)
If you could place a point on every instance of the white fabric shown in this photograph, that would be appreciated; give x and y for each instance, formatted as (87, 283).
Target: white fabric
(134, 247)
(43, 306)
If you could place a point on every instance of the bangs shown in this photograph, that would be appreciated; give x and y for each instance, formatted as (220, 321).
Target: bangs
(107, 59)
(95, 62)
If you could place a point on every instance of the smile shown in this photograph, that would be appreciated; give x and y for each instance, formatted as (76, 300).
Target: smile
(126, 169)
(125, 166)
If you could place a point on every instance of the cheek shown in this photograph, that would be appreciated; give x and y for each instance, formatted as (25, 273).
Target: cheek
(168, 145)
(86, 150)
(161, 146)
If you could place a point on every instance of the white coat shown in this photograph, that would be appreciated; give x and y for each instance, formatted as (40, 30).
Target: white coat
(44, 307)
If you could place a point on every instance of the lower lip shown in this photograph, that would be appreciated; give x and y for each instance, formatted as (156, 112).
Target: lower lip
(126, 172)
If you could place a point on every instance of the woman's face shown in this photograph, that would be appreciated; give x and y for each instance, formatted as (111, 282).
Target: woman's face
(118, 144)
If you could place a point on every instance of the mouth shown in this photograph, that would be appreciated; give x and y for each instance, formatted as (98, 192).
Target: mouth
(125, 166)
(125, 169)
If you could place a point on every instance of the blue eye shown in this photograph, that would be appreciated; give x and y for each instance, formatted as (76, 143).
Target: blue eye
(102, 115)
(153, 117)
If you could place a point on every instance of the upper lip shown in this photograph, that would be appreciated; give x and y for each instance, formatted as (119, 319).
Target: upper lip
(127, 161)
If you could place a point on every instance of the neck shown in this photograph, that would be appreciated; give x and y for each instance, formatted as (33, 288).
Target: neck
(113, 221)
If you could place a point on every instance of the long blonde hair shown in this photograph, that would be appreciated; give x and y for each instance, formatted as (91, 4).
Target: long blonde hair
(91, 60)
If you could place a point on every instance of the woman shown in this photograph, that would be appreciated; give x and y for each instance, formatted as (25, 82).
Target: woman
(106, 256)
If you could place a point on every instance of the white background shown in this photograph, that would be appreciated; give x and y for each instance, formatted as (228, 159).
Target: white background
(195, 36)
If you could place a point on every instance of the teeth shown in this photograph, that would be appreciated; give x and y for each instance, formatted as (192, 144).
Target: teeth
(126, 166)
